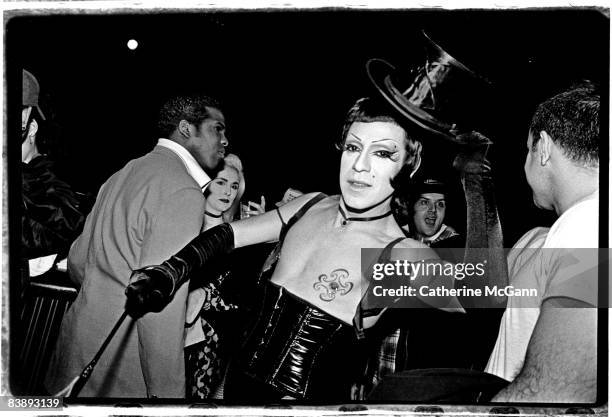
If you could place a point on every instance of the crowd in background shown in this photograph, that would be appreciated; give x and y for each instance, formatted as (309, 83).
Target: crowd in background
(236, 300)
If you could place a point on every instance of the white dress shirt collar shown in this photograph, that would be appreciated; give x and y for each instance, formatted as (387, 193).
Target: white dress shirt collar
(194, 169)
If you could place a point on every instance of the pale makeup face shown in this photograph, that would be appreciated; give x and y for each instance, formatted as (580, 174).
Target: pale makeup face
(429, 212)
(222, 191)
(208, 143)
(374, 153)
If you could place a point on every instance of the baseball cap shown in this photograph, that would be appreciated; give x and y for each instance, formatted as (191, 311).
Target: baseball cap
(431, 185)
(30, 92)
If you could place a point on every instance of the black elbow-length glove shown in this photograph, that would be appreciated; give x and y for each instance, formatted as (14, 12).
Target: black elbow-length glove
(153, 287)
(484, 239)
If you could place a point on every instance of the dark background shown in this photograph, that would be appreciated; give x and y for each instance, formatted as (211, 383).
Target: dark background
(286, 79)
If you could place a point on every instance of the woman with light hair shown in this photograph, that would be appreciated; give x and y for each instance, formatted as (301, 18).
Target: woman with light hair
(204, 341)
(232, 161)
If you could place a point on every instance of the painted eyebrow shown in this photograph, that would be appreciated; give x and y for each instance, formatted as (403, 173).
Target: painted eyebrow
(383, 139)
(356, 137)
(375, 141)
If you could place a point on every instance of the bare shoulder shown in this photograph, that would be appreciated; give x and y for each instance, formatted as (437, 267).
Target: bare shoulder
(267, 227)
(288, 210)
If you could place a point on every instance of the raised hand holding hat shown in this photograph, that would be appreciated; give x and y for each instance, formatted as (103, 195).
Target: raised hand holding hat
(441, 96)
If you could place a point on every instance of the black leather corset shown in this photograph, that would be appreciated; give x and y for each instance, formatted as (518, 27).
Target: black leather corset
(299, 349)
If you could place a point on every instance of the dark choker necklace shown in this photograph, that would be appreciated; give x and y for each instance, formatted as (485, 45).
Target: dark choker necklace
(361, 219)
(216, 216)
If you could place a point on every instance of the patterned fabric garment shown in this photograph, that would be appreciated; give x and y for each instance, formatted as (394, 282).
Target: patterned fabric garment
(204, 363)
(386, 357)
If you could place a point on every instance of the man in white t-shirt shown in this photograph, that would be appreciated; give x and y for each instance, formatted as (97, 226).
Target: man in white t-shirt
(547, 344)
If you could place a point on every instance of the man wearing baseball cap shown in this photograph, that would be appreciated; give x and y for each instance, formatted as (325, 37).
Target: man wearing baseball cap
(51, 218)
(429, 211)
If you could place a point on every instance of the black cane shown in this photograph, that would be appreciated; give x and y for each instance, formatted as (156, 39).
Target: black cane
(84, 377)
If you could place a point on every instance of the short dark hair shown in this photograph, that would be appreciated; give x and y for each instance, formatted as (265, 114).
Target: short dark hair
(571, 119)
(192, 108)
(368, 110)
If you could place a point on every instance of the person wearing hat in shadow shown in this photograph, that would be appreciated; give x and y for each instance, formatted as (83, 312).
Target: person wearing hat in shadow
(51, 218)
(52, 215)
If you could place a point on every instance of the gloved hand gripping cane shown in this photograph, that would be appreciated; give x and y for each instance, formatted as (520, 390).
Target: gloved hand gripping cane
(153, 287)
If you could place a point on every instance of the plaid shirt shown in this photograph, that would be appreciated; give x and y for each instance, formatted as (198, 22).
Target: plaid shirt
(383, 362)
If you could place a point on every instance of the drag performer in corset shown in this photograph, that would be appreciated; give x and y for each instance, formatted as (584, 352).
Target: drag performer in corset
(305, 345)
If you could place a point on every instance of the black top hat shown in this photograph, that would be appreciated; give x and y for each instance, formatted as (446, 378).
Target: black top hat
(442, 96)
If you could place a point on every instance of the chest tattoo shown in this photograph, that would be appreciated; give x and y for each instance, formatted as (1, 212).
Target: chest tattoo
(335, 283)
